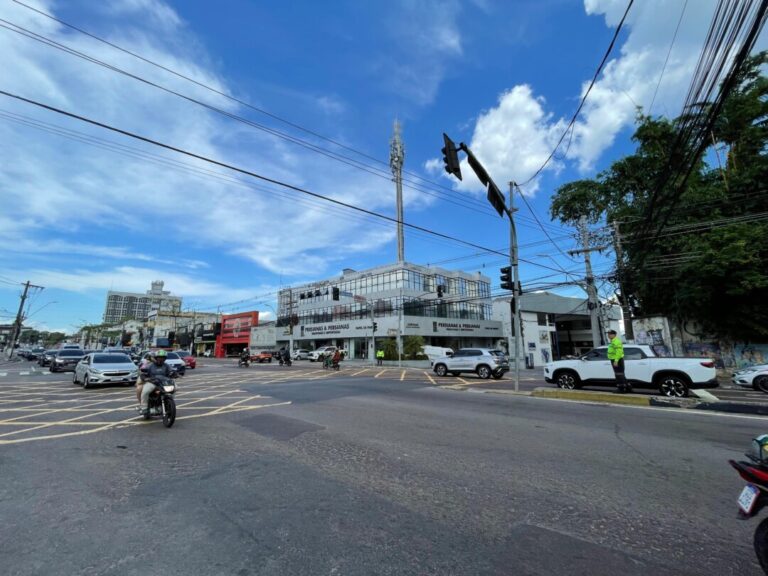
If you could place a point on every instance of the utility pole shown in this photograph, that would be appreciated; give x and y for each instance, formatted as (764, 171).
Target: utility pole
(592, 301)
(290, 322)
(513, 262)
(20, 316)
(629, 333)
(400, 331)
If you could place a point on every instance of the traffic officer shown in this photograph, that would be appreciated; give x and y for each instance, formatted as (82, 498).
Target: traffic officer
(616, 356)
(379, 357)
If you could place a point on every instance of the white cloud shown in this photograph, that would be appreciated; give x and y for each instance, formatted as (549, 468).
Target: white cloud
(130, 279)
(511, 140)
(514, 138)
(63, 188)
(426, 37)
(160, 12)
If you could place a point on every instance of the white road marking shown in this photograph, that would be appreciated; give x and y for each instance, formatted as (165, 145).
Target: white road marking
(706, 396)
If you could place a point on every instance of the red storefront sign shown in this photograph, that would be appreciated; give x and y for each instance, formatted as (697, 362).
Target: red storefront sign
(235, 329)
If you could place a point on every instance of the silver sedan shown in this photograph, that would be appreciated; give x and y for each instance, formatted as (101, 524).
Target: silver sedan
(99, 368)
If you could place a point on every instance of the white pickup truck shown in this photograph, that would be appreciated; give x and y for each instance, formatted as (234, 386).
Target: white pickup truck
(643, 369)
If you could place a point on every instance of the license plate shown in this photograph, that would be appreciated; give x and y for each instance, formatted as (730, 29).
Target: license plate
(748, 498)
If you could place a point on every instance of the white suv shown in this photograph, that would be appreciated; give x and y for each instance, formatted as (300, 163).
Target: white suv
(316, 355)
(484, 362)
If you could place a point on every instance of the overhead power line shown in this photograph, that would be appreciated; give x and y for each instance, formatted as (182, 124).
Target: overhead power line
(583, 98)
(257, 176)
(669, 52)
(421, 186)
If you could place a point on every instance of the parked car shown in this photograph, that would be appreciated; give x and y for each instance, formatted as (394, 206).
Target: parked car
(300, 354)
(643, 369)
(754, 377)
(47, 357)
(172, 359)
(321, 352)
(262, 356)
(66, 360)
(484, 362)
(35, 353)
(189, 360)
(101, 368)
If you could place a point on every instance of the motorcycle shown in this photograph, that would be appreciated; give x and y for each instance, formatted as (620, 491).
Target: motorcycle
(243, 363)
(161, 401)
(754, 496)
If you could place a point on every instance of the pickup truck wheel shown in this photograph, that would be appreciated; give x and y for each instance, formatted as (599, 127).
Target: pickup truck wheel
(484, 372)
(441, 370)
(761, 383)
(568, 380)
(673, 386)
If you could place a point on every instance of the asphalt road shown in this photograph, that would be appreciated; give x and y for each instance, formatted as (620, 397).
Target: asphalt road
(298, 471)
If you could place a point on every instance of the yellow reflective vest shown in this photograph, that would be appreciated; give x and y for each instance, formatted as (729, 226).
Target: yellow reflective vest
(615, 349)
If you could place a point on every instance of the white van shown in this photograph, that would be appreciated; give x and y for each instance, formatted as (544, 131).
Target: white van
(433, 352)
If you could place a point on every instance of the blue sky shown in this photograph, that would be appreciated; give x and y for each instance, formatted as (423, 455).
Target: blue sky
(85, 210)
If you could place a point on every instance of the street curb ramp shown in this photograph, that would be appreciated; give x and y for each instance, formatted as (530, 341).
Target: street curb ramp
(604, 397)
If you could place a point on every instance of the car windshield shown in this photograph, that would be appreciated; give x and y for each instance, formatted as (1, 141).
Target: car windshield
(172, 356)
(111, 359)
(183, 354)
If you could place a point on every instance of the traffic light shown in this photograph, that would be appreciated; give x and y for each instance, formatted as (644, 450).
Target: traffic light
(451, 157)
(375, 326)
(335, 293)
(440, 288)
(506, 278)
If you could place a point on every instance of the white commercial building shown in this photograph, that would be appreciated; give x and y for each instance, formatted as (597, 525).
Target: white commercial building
(446, 307)
(133, 305)
(554, 326)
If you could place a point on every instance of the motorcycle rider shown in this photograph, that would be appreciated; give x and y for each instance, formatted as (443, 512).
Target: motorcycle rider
(245, 356)
(145, 362)
(157, 368)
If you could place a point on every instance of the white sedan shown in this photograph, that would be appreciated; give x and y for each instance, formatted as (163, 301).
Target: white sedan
(300, 354)
(99, 368)
(755, 377)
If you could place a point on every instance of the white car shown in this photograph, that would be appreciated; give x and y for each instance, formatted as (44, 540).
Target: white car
(755, 377)
(315, 355)
(300, 354)
(484, 362)
(100, 368)
(173, 360)
(642, 368)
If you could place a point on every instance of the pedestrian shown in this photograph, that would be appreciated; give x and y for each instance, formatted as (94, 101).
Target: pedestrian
(379, 357)
(616, 356)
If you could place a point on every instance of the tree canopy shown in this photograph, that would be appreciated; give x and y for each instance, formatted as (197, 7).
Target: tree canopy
(706, 259)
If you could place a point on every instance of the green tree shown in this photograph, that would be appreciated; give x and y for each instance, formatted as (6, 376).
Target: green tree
(390, 348)
(412, 346)
(703, 257)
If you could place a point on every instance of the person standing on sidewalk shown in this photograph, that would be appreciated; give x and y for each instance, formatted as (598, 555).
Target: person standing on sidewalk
(616, 356)
(379, 357)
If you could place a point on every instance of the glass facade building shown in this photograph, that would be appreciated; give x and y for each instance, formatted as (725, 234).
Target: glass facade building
(401, 298)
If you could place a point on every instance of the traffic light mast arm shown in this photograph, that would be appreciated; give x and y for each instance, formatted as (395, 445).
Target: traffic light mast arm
(495, 197)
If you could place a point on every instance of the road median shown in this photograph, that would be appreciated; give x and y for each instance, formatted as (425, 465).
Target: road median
(584, 395)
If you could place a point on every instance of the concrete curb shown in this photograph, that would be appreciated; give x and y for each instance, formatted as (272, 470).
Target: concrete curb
(604, 397)
(722, 406)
